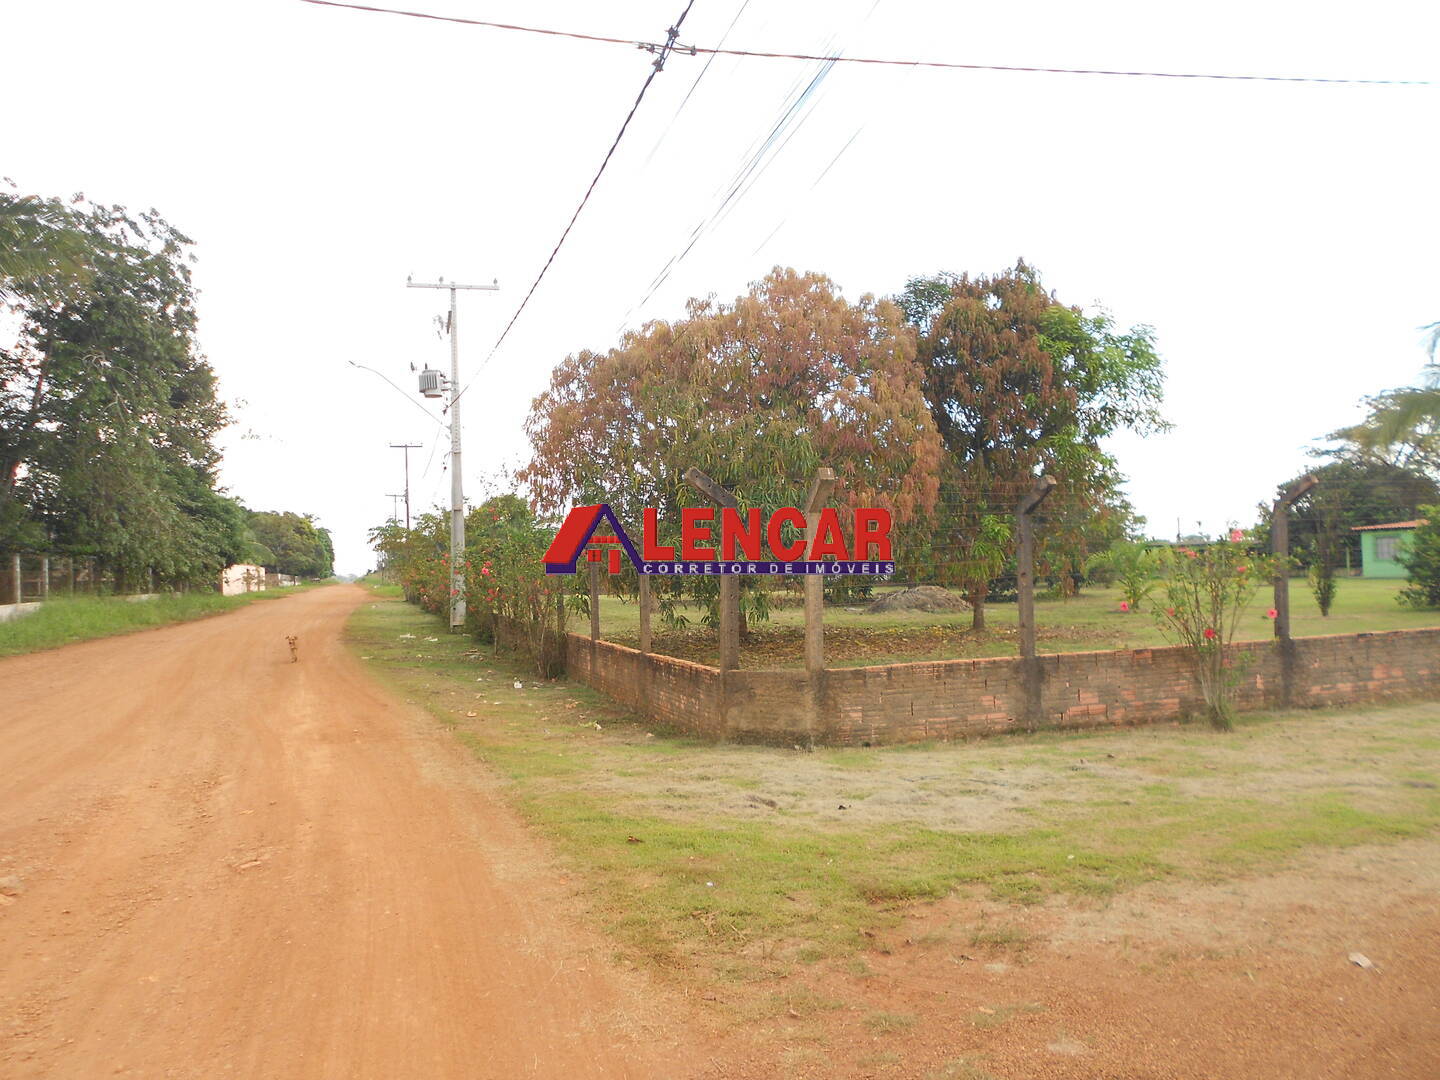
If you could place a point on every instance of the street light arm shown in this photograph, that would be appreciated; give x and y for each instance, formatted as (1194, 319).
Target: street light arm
(432, 417)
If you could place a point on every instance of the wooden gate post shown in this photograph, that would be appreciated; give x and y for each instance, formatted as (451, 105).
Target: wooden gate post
(646, 600)
(729, 583)
(1280, 548)
(1025, 590)
(594, 617)
(820, 489)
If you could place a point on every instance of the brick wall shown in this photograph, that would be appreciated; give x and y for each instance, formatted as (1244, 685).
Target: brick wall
(951, 699)
(675, 693)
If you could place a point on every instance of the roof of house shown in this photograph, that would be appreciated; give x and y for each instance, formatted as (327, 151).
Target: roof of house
(1390, 525)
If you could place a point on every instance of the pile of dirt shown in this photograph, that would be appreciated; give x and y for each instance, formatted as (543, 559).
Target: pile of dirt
(930, 598)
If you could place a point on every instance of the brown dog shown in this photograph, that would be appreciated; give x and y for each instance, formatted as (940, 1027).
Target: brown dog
(294, 643)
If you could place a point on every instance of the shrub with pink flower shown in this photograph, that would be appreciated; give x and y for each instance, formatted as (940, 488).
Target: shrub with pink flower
(1207, 592)
(509, 595)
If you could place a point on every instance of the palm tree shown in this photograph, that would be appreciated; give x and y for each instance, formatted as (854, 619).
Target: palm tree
(1404, 424)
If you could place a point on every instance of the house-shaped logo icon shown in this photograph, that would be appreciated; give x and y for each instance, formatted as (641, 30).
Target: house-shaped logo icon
(578, 534)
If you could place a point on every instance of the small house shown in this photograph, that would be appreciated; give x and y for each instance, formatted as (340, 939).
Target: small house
(1382, 545)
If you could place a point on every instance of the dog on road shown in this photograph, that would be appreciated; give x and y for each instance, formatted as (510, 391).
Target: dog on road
(294, 643)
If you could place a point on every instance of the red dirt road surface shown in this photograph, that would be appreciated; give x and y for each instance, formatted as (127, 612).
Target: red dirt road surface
(217, 863)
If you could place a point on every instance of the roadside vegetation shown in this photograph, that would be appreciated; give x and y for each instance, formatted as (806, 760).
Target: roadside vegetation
(66, 621)
(109, 412)
(740, 862)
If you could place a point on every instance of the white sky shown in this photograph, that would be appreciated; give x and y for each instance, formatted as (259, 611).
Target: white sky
(1280, 238)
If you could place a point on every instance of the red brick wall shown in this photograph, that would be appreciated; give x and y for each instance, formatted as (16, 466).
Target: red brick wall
(951, 699)
(674, 693)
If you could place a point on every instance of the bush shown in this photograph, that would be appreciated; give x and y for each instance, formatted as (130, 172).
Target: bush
(1422, 563)
(1206, 591)
(1134, 567)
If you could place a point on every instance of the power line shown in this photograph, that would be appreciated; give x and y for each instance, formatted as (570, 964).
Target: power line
(663, 54)
(429, 415)
(948, 65)
(695, 85)
(648, 46)
(752, 167)
(670, 45)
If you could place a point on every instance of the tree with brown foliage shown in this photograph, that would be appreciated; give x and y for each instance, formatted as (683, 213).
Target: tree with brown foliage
(1020, 385)
(757, 393)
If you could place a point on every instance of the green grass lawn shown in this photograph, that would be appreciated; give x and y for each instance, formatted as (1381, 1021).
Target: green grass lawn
(68, 620)
(744, 862)
(1092, 620)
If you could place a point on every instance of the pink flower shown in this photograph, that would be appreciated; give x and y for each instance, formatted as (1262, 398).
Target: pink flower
(1189, 553)
(1242, 569)
(1236, 536)
(1209, 633)
(1170, 611)
(1271, 614)
(1124, 605)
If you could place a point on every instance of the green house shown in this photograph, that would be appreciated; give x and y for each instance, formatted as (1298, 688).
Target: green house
(1382, 545)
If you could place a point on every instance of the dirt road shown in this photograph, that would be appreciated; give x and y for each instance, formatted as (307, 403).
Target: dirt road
(216, 863)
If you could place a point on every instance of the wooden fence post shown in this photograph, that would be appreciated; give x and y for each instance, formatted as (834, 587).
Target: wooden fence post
(594, 604)
(729, 583)
(1280, 548)
(646, 600)
(1025, 596)
(820, 489)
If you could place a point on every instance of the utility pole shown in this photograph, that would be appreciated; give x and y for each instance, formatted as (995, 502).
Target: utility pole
(407, 447)
(457, 493)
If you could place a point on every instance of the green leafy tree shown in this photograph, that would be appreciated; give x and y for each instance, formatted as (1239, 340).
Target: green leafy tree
(1020, 385)
(108, 413)
(1354, 489)
(300, 547)
(1422, 563)
(44, 252)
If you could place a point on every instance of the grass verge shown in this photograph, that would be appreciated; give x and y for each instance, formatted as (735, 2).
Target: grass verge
(68, 620)
(746, 862)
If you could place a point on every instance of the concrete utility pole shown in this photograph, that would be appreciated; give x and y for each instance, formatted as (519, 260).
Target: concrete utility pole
(407, 447)
(457, 493)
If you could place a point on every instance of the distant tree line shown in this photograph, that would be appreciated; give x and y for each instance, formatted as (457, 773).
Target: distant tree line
(108, 411)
